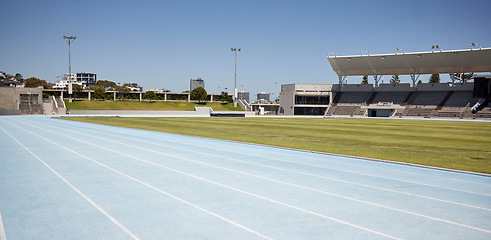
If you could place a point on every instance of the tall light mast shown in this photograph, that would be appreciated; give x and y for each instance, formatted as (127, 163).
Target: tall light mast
(70, 89)
(235, 50)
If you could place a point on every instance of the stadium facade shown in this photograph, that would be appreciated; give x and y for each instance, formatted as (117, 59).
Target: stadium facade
(427, 100)
(460, 98)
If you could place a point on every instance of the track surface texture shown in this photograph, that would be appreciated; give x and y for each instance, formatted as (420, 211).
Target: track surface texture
(70, 180)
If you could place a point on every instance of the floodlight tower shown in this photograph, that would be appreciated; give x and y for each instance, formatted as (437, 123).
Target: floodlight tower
(235, 50)
(70, 89)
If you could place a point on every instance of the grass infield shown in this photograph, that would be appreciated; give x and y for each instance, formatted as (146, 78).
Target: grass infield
(449, 144)
(144, 105)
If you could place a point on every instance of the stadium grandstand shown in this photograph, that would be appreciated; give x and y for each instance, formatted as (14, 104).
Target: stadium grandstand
(457, 99)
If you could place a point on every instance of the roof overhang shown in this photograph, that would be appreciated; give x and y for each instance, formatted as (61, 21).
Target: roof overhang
(454, 61)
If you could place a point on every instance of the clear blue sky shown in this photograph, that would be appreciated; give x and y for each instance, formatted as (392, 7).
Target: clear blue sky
(162, 44)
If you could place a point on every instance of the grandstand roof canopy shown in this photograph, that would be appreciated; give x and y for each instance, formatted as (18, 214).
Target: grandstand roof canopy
(453, 61)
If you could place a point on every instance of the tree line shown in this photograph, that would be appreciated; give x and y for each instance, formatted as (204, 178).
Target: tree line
(18, 79)
(434, 78)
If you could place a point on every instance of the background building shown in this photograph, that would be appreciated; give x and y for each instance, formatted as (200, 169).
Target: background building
(15, 101)
(441, 100)
(155, 90)
(243, 96)
(82, 79)
(263, 96)
(195, 83)
(305, 99)
(87, 79)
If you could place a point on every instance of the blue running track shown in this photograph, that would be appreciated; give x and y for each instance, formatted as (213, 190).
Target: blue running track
(69, 180)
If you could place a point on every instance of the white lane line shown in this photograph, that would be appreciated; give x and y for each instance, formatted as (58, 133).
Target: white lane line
(134, 179)
(265, 178)
(209, 181)
(274, 180)
(267, 166)
(132, 235)
(3, 236)
(193, 138)
(313, 165)
(312, 175)
(329, 159)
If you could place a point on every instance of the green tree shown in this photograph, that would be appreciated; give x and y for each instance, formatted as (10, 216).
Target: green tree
(224, 97)
(33, 82)
(133, 85)
(435, 78)
(99, 93)
(228, 98)
(199, 94)
(150, 95)
(465, 76)
(106, 84)
(122, 90)
(395, 79)
(18, 77)
(76, 87)
(365, 79)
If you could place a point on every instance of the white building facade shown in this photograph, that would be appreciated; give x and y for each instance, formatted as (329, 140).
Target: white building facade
(305, 99)
(82, 79)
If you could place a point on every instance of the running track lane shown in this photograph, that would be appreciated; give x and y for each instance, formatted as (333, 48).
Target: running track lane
(86, 181)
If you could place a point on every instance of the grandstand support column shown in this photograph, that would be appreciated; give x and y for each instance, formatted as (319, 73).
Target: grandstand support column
(377, 78)
(89, 95)
(342, 80)
(414, 78)
(114, 96)
(455, 78)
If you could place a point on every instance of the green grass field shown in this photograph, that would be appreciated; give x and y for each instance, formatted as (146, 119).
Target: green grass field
(449, 144)
(152, 106)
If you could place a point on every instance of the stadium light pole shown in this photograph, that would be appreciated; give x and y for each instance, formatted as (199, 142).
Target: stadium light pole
(235, 50)
(70, 89)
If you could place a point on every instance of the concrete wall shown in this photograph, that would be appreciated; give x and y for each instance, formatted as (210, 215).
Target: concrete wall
(401, 87)
(287, 100)
(10, 112)
(357, 88)
(10, 97)
(198, 111)
(313, 87)
(48, 108)
(463, 87)
(433, 87)
(288, 88)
